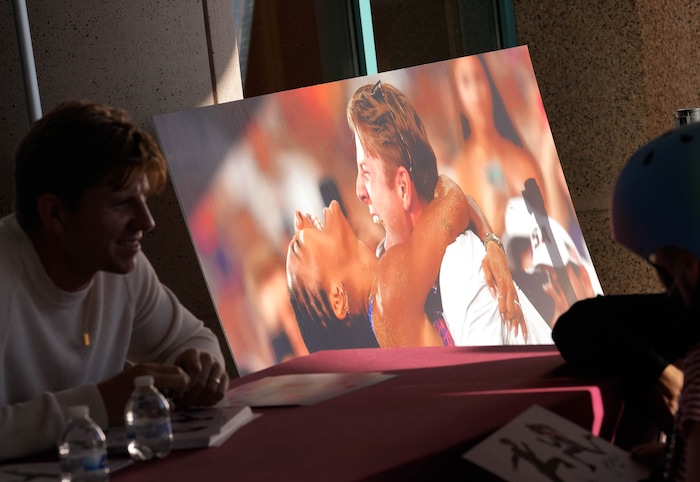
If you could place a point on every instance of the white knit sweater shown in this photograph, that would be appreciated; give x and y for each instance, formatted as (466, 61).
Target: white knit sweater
(45, 366)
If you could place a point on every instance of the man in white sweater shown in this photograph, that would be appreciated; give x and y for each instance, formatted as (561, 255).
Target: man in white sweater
(82, 312)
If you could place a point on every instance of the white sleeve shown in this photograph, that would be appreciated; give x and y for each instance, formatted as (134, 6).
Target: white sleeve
(163, 327)
(34, 426)
(470, 310)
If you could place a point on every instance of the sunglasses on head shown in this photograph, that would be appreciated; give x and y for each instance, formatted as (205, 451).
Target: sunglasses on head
(378, 95)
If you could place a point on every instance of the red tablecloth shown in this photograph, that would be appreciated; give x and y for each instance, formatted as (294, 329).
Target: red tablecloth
(412, 427)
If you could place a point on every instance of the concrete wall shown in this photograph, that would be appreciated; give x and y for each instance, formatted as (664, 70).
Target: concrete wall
(611, 74)
(148, 57)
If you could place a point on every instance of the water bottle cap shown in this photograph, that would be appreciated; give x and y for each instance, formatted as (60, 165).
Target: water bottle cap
(143, 381)
(76, 411)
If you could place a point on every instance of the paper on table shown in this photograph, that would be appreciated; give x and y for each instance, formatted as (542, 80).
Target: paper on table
(194, 427)
(540, 445)
(301, 388)
(46, 471)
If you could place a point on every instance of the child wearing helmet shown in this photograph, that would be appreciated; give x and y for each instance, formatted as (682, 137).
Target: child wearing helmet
(655, 213)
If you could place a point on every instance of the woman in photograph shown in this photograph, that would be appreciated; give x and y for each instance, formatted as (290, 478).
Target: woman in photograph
(335, 279)
(489, 166)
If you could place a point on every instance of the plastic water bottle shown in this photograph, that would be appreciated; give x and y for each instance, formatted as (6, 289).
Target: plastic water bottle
(82, 448)
(147, 420)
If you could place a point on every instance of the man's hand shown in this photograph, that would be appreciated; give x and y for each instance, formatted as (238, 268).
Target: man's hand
(196, 378)
(116, 390)
(500, 282)
(208, 379)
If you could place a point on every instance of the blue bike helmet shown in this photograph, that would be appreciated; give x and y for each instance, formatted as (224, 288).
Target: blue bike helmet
(656, 199)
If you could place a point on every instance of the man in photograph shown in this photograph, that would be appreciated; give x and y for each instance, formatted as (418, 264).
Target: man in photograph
(397, 173)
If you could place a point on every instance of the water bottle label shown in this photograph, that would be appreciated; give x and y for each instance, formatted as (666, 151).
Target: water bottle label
(147, 429)
(84, 462)
(149, 438)
(94, 461)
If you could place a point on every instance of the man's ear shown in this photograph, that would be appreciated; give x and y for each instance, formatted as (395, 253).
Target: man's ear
(52, 212)
(339, 301)
(404, 186)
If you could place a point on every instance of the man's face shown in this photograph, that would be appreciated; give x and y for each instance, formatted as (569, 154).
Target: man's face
(382, 195)
(104, 233)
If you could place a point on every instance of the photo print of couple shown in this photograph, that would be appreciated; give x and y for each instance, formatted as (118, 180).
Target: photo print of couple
(422, 206)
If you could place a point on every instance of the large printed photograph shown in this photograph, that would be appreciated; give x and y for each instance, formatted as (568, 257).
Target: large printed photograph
(419, 207)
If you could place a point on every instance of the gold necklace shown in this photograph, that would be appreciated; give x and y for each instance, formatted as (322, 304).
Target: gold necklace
(86, 321)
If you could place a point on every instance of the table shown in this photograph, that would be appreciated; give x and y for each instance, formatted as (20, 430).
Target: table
(414, 426)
